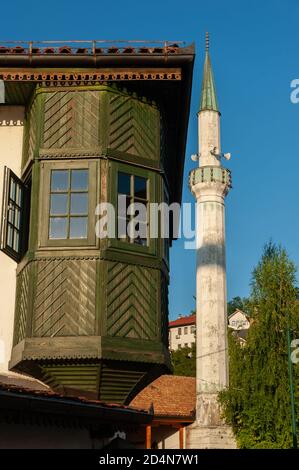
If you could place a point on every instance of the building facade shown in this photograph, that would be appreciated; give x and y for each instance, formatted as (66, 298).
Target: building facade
(182, 332)
(81, 125)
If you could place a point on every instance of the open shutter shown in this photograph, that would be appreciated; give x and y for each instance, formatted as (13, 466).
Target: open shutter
(13, 216)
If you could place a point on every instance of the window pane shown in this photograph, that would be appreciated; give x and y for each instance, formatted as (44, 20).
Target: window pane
(59, 204)
(78, 227)
(58, 228)
(18, 195)
(9, 236)
(17, 218)
(12, 190)
(59, 180)
(79, 180)
(140, 187)
(11, 214)
(16, 240)
(124, 183)
(79, 203)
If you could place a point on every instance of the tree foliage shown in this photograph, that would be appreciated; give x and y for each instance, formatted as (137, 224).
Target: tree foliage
(257, 403)
(184, 361)
(237, 303)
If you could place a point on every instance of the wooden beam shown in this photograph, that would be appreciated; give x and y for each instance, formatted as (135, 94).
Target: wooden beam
(181, 433)
(148, 440)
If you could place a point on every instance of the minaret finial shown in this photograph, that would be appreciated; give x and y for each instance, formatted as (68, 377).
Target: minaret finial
(208, 99)
(207, 41)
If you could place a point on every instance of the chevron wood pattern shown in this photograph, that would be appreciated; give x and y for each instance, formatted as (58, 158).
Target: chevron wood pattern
(65, 298)
(131, 301)
(134, 127)
(71, 119)
(22, 304)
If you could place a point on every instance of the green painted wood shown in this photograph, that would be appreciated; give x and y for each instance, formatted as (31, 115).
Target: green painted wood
(97, 312)
(134, 127)
(71, 120)
(76, 376)
(132, 301)
(64, 303)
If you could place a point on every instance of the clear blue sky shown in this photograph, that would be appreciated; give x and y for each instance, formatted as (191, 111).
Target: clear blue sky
(255, 55)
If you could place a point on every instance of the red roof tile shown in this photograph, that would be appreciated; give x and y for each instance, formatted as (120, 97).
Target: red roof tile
(190, 320)
(171, 396)
(48, 393)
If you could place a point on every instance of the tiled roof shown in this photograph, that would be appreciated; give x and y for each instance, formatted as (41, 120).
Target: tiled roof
(171, 396)
(190, 320)
(48, 393)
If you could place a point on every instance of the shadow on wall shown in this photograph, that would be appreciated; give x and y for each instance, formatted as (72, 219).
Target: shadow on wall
(212, 255)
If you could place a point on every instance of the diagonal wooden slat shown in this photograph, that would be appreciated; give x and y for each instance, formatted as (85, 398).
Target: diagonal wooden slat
(131, 300)
(65, 298)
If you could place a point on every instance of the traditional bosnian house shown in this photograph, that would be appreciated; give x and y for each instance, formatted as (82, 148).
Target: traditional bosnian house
(82, 124)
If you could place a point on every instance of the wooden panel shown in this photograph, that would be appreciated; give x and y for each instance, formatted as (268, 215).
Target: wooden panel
(164, 310)
(131, 309)
(22, 304)
(31, 132)
(71, 119)
(78, 376)
(134, 127)
(118, 380)
(65, 298)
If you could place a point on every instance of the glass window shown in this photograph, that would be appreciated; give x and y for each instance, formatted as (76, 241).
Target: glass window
(179, 331)
(133, 199)
(68, 204)
(185, 330)
(15, 216)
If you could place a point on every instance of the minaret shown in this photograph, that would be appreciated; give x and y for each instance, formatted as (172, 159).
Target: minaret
(210, 183)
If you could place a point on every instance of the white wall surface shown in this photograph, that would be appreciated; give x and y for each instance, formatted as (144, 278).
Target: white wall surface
(11, 139)
(182, 339)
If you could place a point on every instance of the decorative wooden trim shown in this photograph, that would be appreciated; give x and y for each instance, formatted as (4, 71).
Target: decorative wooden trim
(49, 78)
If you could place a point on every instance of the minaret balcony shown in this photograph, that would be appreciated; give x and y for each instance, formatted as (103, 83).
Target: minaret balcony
(210, 174)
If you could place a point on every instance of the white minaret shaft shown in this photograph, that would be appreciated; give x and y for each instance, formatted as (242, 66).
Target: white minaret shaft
(210, 183)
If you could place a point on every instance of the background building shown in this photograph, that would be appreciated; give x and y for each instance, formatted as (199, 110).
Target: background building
(182, 332)
(239, 322)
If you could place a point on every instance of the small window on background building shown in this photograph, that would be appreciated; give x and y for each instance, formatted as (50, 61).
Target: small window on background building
(68, 204)
(179, 346)
(179, 331)
(185, 330)
(186, 345)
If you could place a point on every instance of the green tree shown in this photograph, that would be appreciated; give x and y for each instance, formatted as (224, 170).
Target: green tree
(257, 403)
(237, 303)
(184, 361)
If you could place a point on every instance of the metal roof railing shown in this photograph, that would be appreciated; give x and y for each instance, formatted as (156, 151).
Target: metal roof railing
(89, 47)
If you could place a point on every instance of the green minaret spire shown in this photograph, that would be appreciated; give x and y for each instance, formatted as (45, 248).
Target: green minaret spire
(208, 99)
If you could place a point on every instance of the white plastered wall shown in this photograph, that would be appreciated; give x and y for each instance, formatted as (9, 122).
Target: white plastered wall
(11, 140)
